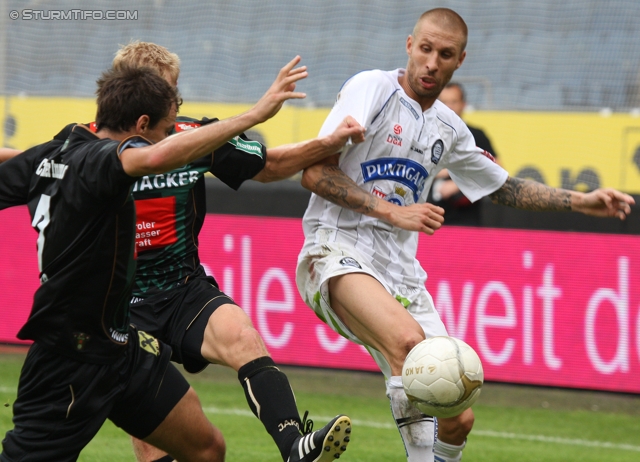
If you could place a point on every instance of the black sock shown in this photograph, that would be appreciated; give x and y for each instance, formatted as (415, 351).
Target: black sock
(271, 399)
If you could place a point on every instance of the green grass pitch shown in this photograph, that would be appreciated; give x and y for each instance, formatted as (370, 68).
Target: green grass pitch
(513, 423)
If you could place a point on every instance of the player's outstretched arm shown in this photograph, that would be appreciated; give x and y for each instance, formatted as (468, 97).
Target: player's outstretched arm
(284, 161)
(8, 153)
(531, 195)
(329, 182)
(184, 147)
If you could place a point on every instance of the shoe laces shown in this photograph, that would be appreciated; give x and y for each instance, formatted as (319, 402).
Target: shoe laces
(307, 424)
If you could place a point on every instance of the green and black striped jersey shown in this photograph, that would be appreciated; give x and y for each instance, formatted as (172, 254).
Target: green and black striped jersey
(171, 208)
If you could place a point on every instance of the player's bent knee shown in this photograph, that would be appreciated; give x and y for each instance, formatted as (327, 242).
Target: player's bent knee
(403, 346)
(216, 450)
(457, 427)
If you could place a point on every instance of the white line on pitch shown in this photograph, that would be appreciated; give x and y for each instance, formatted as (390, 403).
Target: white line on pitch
(484, 433)
(554, 439)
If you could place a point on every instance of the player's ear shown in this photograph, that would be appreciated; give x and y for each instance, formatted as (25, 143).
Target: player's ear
(142, 124)
(409, 44)
(462, 56)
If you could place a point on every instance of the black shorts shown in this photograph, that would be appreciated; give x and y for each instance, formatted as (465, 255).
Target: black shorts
(179, 317)
(62, 403)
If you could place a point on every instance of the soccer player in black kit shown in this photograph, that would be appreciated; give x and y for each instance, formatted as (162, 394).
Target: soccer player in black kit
(87, 363)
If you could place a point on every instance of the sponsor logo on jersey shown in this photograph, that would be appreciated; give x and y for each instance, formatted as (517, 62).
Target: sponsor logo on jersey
(417, 149)
(378, 192)
(348, 261)
(251, 147)
(394, 139)
(405, 171)
(155, 223)
(120, 337)
(397, 129)
(184, 126)
(166, 180)
(436, 151)
(50, 169)
(148, 343)
(409, 106)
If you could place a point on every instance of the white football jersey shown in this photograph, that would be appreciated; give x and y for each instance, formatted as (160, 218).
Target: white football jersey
(403, 150)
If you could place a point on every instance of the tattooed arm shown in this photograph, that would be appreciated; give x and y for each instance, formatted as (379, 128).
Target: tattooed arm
(329, 182)
(531, 195)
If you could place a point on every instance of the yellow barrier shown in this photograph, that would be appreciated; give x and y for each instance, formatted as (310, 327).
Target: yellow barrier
(571, 150)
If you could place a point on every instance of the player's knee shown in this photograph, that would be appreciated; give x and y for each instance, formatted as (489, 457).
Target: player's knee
(456, 428)
(466, 420)
(216, 449)
(249, 339)
(209, 447)
(403, 346)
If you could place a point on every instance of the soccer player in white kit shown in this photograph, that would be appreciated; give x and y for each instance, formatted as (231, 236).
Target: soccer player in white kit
(358, 269)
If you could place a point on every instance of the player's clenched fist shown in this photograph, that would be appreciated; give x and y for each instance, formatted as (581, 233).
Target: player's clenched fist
(426, 218)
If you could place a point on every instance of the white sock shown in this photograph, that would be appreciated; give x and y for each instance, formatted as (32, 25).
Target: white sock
(445, 452)
(416, 429)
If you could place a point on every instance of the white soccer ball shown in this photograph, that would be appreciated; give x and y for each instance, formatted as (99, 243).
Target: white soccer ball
(442, 376)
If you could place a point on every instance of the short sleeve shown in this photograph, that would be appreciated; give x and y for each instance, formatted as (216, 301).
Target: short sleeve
(473, 170)
(362, 97)
(100, 170)
(16, 175)
(238, 160)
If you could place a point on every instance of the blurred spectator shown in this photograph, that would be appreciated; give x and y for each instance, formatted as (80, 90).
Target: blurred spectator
(444, 192)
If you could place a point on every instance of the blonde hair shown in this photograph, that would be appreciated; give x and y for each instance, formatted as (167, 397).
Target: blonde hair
(148, 54)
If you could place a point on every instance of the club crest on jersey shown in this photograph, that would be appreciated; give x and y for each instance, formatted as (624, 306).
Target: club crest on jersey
(148, 343)
(405, 171)
(436, 151)
(348, 261)
(397, 196)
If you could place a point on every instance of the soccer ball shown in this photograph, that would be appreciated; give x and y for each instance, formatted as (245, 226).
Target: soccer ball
(442, 376)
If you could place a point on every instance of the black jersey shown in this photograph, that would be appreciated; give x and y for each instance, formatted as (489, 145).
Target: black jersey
(79, 199)
(171, 208)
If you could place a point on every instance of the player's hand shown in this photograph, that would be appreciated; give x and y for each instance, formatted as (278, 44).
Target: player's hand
(426, 218)
(447, 189)
(282, 89)
(348, 132)
(604, 202)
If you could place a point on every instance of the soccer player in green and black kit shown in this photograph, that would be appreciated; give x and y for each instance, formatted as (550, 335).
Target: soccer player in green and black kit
(176, 301)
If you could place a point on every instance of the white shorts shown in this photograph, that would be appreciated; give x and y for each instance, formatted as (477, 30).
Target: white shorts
(317, 265)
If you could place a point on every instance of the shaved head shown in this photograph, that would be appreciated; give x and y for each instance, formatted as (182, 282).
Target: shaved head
(446, 18)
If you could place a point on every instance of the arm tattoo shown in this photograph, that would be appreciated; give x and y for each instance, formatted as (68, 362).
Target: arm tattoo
(531, 195)
(335, 186)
